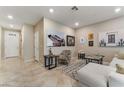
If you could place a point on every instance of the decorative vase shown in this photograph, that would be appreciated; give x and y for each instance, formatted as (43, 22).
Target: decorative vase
(50, 52)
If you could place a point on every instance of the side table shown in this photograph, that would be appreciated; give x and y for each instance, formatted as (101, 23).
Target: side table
(51, 61)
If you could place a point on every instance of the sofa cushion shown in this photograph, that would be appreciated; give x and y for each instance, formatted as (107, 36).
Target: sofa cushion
(120, 68)
(94, 75)
(116, 79)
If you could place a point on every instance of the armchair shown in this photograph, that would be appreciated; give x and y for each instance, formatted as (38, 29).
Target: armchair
(65, 57)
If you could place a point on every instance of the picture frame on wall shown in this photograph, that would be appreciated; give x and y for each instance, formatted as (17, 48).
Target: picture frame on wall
(90, 36)
(55, 39)
(70, 40)
(91, 43)
(111, 39)
(82, 40)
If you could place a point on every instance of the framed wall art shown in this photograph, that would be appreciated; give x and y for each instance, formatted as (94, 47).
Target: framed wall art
(90, 36)
(91, 43)
(70, 40)
(111, 39)
(55, 39)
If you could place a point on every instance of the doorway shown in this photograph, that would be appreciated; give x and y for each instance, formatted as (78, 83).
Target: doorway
(11, 39)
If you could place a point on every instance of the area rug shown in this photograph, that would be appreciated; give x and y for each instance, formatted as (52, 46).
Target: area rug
(72, 68)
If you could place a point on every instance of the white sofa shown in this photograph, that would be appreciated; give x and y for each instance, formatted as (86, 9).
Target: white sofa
(96, 75)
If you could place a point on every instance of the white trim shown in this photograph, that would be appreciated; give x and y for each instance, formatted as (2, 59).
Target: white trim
(0, 44)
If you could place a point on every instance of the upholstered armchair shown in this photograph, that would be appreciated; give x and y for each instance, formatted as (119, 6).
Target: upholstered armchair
(65, 57)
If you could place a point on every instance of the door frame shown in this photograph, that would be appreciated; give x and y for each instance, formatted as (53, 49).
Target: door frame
(38, 45)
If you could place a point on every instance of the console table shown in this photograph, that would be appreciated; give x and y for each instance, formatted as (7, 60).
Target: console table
(51, 61)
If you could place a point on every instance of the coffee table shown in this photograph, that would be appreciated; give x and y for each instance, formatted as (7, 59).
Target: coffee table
(94, 58)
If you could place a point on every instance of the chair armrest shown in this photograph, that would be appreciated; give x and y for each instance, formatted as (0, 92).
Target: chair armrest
(116, 80)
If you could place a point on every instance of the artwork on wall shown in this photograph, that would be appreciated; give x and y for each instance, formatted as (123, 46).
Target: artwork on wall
(115, 39)
(70, 40)
(90, 36)
(91, 43)
(90, 39)
(82, 40)
(55, 39)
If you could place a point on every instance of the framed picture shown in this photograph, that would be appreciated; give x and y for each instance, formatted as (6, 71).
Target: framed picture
(55, 39)
(111, 39)
(70, 40)
(91, 43)
(90, 36)
(82, 40)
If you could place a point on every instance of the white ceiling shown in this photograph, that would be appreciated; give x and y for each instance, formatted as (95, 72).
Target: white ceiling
(32, 14)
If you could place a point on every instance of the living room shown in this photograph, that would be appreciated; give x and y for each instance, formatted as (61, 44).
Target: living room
(68, 46)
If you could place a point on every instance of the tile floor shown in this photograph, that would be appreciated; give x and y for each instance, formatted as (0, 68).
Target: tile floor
(15, 73)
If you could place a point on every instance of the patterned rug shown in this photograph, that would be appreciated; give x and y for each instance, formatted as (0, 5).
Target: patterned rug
(71, 69)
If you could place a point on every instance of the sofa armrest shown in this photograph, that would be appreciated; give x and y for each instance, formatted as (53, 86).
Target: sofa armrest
(116, 80)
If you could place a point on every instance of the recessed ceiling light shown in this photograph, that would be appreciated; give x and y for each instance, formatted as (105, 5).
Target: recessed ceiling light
(76, 24)
(117, 10)
(51, 10)
(10, 16)
(11, 25)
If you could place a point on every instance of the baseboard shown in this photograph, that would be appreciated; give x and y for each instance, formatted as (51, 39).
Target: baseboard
(29, 60)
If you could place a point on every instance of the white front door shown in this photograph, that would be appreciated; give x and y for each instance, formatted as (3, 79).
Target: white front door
(37, 45)
(11, 44)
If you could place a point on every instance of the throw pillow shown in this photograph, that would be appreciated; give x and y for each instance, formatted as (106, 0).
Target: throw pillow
(119, 69)
(116, 61)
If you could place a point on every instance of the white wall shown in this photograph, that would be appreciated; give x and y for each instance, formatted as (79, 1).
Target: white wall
(110, 25)
(27, 43)
(55, 26)
(0, 42)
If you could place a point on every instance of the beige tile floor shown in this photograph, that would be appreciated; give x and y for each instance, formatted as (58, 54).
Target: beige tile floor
(15, 73)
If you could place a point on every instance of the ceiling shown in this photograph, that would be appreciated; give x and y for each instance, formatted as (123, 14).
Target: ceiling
(86, 15)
